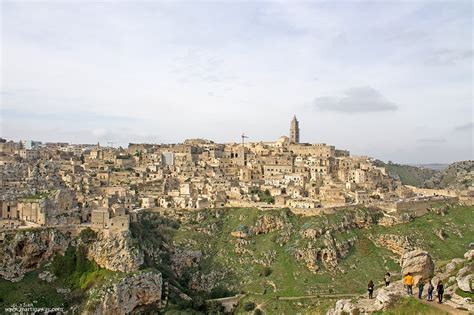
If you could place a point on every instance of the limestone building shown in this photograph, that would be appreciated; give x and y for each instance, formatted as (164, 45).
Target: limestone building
(294, 130)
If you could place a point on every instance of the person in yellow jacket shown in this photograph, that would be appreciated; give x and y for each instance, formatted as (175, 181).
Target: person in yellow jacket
(408, 282)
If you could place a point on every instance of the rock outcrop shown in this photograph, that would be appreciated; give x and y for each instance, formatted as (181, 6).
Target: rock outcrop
(329, 255)
(268, 223)
(418, 263)
(465, 277)
(116, 252)
(27, 250)
(125, 295)
(395, 243)
(183, 259)
(384, 298)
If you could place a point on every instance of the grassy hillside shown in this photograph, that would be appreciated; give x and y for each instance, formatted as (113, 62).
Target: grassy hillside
(267, 270)
(409, 175)
(74, 273)
(457, 175)
(30, 289)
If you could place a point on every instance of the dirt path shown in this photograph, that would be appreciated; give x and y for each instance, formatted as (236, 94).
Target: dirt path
(444, 307)
(322, 295)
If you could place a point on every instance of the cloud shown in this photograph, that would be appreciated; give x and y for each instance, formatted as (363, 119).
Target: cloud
(355, 100)
(432, 140)
(465, 127)
(450, 56)
(99, 132)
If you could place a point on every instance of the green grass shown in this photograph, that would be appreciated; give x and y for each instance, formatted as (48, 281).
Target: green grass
(364, 262)
(31, 289)
(465, 294)
(412, 306)
(73, 272)
(410, 175)
(458, 225)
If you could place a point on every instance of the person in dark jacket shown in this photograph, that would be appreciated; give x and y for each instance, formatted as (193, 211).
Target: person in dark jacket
(370, 288)
(440, 290)
(421, 286)
(387, 279)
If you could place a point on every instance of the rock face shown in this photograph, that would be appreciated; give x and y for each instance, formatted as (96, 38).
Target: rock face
(182, 259)
(465, 277)
(268, 223)
(127, 294)
(27, 250)
(395, 243)
(419, 263)
(116, 252)
(330, 255)
(385, 297)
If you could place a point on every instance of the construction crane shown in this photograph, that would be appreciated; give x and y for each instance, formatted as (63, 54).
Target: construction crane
(243, 139)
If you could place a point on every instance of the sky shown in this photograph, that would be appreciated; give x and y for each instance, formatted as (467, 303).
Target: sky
(388, 79)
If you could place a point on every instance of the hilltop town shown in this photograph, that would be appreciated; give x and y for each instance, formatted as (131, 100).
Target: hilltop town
(58, 183)
(216, 228)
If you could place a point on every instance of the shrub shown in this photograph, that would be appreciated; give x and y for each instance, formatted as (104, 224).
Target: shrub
(88, 235)
(214, 308)
(74, 266)
(220, 292)
(266, 271)
(249, 306)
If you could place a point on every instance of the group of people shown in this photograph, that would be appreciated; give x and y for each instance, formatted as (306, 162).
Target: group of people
(409, 282)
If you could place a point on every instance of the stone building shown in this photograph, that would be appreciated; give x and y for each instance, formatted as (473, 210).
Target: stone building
(115, 220)
(294, 130)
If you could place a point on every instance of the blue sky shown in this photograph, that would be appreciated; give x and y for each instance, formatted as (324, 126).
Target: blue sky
(392, 80)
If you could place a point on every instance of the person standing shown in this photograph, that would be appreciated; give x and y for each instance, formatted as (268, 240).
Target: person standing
(387, 279)
(430, 290)
(370, 288)
(408, 281)
(421, 285)
(440, 290)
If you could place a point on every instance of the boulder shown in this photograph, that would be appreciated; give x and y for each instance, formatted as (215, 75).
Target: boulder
(465, 277)
(469, 255)
(47, 276)
(418, 263)
(385, 297)
(344, 307)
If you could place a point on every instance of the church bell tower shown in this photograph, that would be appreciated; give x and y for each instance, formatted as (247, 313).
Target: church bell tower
(294, 130)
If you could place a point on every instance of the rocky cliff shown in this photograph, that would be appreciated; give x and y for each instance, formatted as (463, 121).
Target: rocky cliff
(125, 295)
(27, 250)
(116, 252)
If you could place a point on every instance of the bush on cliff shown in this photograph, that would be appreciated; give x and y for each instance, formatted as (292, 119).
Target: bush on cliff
(74, 268)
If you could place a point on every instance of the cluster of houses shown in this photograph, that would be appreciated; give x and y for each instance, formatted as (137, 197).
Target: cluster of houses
(61, 183)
